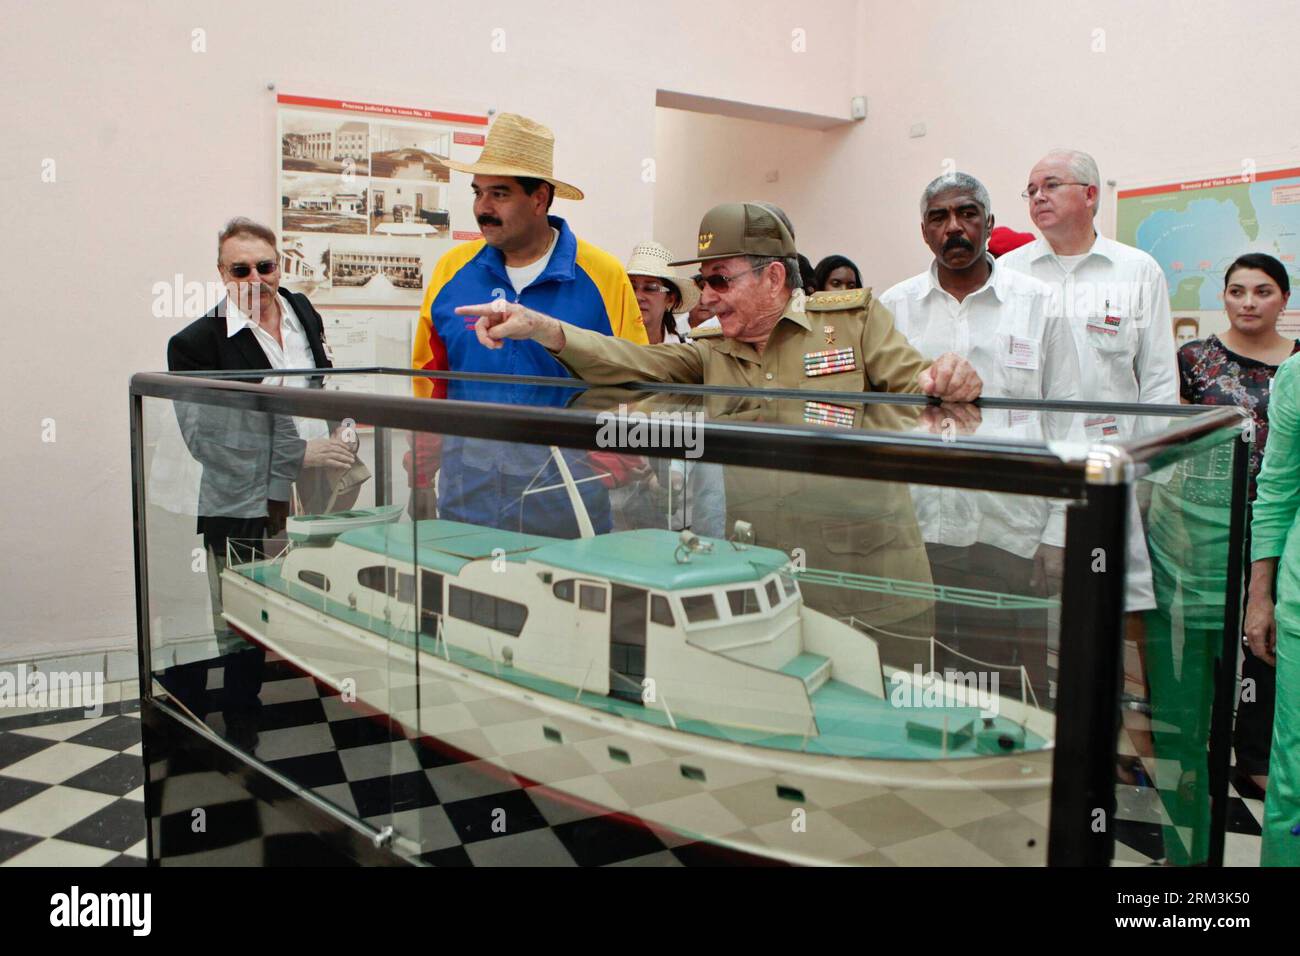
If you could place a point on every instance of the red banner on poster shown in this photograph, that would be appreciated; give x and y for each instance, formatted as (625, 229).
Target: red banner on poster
(378, 109)
(468, 139)
(1210, 183)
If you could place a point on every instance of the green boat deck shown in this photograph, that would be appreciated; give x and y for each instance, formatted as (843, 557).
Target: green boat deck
(851, 722)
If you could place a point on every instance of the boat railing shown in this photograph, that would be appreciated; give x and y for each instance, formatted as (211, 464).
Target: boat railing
(1026, 686)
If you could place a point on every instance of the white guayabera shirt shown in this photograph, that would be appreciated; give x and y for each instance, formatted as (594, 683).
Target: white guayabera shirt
(1006, 331)
(1116, 301)
(295, 353)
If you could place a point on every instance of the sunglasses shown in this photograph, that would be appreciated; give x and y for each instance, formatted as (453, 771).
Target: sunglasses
(242, 270)
(720, 283)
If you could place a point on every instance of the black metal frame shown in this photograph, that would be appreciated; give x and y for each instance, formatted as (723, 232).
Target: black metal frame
(1090, 677)
(1225, 695)
(1090, 667)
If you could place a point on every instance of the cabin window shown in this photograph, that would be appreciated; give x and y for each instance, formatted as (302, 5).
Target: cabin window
(487, 610)
(315, 579)
(378, 578)
(700, 607)
(563, 590)
(743, 601)
(591, 598)
(388, 581)
(773, 594)
(661, 612)
(510, 617)
(787, 582)
(459, 599)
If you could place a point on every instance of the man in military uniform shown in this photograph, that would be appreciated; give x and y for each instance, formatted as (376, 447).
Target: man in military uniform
(772, 337)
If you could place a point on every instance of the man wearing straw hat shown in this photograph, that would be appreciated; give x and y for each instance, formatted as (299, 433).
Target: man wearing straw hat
(530, 257)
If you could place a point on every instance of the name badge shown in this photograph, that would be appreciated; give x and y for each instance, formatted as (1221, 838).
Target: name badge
(826, 413)
(1022, 353)
(1105, 323)
(829, 362)
(1104, 425)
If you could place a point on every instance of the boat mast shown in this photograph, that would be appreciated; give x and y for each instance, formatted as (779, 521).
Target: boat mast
(585, 530)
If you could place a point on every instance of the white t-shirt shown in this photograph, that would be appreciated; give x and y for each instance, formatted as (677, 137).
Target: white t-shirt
(521, 277)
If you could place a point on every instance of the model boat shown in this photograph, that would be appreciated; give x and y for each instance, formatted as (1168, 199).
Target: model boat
(679, 680)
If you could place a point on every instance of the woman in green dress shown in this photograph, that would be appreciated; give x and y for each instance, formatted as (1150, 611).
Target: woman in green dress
(1273, 630)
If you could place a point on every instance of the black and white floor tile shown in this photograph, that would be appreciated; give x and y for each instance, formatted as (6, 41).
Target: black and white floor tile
(71, 793)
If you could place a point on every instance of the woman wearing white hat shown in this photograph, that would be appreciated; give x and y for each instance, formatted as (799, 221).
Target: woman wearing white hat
(660, 292)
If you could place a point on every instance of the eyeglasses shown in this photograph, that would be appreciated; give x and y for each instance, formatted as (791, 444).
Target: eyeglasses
(650, 287)
(242, 270)
(1047, 188)
(719, 282)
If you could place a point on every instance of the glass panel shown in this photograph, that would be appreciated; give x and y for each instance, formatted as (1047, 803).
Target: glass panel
(661, 611)
(591, 598)
(743, 601)
(234, 515)
(1177, 587)
(898, 680)
(700, 607)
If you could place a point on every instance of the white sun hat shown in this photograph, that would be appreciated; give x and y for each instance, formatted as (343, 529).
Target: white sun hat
(651, 259)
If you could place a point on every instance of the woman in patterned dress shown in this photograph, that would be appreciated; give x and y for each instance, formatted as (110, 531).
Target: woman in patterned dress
(1237, 368)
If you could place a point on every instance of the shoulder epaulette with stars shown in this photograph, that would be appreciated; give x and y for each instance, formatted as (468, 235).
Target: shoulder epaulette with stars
(838, 301)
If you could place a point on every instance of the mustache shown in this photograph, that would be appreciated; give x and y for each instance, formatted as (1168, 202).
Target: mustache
(488, 220)
(957, 242)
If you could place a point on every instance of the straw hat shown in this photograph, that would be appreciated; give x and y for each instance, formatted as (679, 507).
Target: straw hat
(651, 259)
(517, 146)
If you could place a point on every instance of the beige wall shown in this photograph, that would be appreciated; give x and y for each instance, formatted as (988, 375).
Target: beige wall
(1178, 88)
(155, 145)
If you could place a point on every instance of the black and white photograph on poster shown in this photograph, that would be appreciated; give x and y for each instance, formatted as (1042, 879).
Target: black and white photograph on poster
(315, 203)
(305, 264)
(380, 270)
(410, 152)
(313, 142)
(402, 207)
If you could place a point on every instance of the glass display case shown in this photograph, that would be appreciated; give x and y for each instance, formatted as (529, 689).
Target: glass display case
(536, 622)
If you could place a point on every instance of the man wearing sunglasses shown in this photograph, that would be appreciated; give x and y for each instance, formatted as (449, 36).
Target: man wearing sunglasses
(772, 337)
(251, 459)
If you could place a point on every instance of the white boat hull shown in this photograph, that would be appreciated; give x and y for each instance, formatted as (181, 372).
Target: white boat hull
(792, 806)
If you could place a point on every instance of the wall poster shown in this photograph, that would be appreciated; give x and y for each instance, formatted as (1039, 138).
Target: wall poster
(367, 204)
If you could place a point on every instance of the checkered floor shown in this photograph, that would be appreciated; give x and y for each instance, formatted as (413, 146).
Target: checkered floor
(71, 788)
(71, 792)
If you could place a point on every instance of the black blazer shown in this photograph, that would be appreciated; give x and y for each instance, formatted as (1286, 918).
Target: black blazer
(203, 346)
(248, 458)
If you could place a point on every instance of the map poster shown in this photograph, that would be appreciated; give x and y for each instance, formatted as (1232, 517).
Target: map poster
(367, 202)
(1195, 229)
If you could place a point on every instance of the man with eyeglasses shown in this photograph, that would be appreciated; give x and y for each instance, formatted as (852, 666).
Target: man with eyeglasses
(250, 460)
(772, 338)
(1116, 302)
(837, 342)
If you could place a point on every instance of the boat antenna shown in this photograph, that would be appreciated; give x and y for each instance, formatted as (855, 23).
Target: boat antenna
(585, 530)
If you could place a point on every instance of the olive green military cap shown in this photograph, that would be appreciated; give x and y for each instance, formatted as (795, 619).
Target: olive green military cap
(741, 229)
